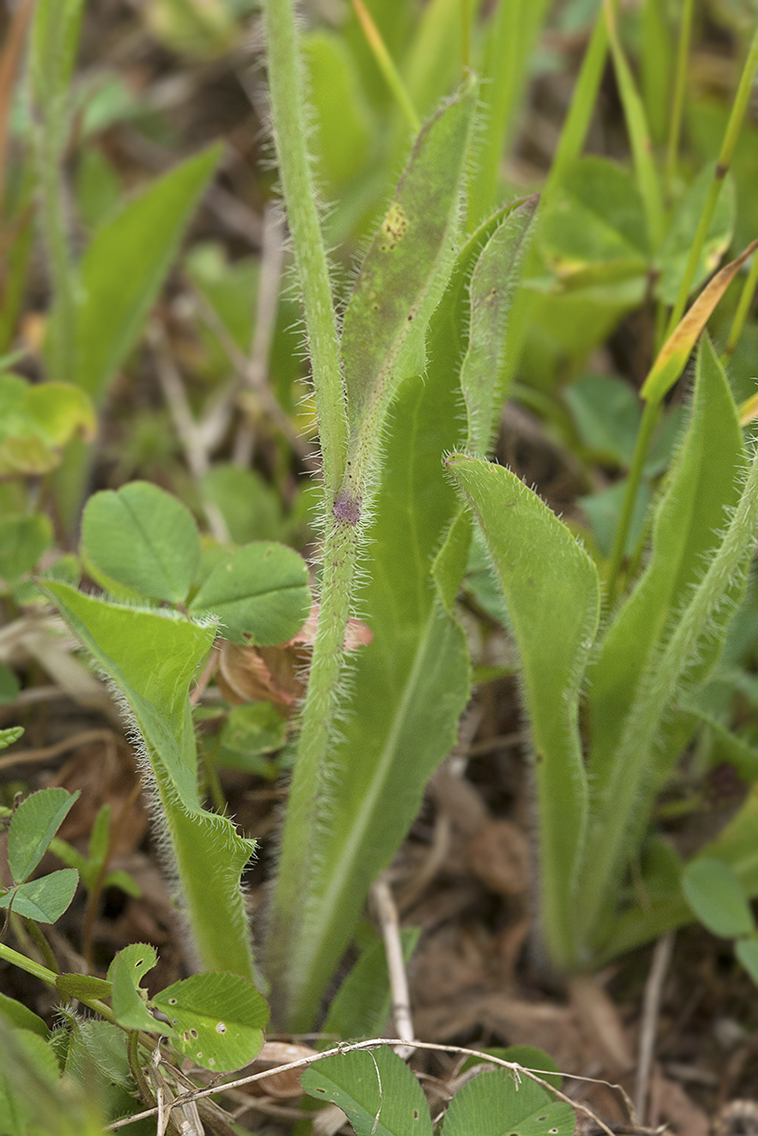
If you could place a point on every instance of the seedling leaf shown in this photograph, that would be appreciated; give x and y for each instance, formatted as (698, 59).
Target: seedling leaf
(376, 1090)
(43, 900)
(494, 1104)
(218, 1019)
(717, 898)
(22, 542)
(125, 972)
(261, 590)
(33, 825)
(143, 538)
(746, 951)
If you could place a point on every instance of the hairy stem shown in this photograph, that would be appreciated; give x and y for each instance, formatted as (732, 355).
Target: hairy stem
(310, 778)
(289, 122)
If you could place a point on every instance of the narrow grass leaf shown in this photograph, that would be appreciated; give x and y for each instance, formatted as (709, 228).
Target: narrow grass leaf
(509, 44)
(142, 239)
(376, 1090)
(262, 590)
(152, 659)
(674, 252)
(33, 825)
(717, 898)
(639, 134)
(218, 1019)
(363, 1003)
(552, 591)
(675, 352)
(494, 1104)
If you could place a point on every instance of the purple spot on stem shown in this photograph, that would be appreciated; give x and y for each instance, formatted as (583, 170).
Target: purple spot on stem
(347, 509)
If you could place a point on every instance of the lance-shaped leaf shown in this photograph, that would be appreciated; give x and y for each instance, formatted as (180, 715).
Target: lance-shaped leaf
(491, 294)
(700, 491)
(645, 750)
(125, 266)
(409, 685)
(487, 280)
(551, 587)
(404, 273)
(151, 657)
(699, 496)
(675, 352)
(377, 1091)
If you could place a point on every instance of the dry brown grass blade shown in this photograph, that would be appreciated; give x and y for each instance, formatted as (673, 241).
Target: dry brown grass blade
(676, 350)
(9, 61)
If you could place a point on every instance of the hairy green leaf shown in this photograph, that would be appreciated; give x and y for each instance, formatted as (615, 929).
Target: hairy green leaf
(404, 274)
(152, 657)
(552, 591)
